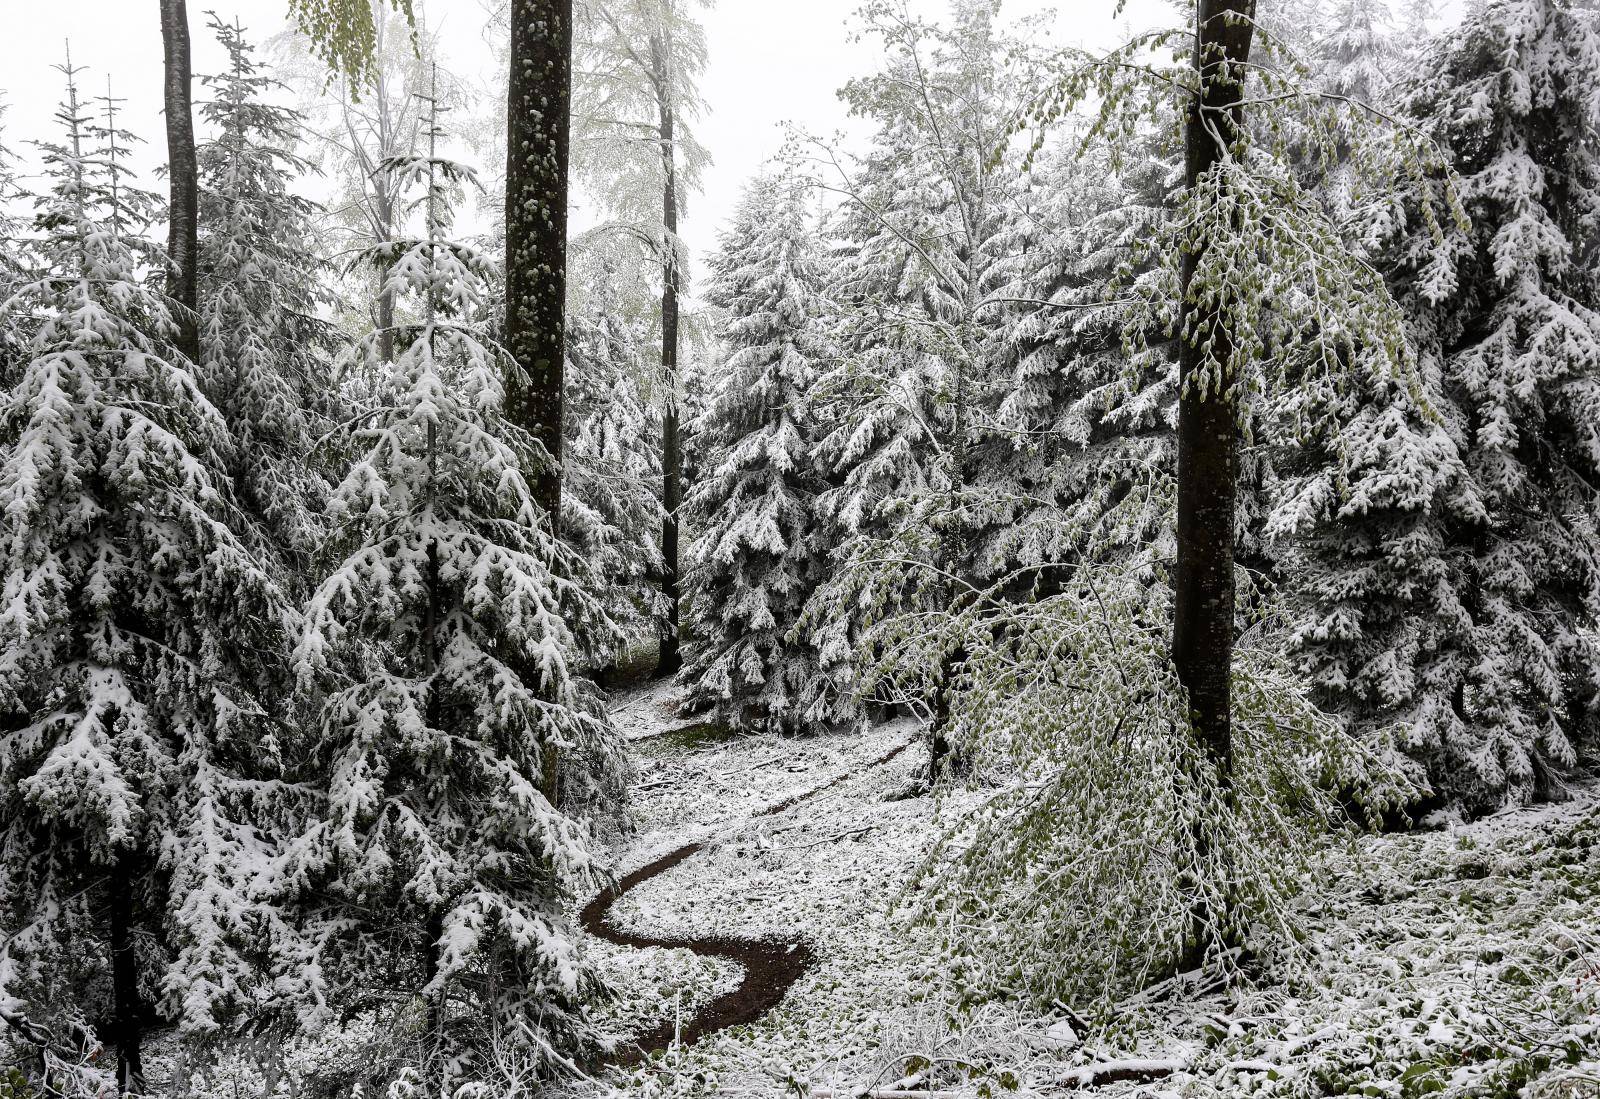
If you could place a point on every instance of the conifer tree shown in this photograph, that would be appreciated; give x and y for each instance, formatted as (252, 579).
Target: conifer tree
(1455, 572)
(759, 550)
(927, 228)
(264, 353)
(1082, 460)
(613, 510)
(133, 820)
(445, 640)
(13, 263)
(1356, 48)
(353, 131)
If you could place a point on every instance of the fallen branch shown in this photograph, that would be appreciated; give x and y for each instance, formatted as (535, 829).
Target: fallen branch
(881, 1093)
(35, 1034)
(779, 758)
(1191, 982)
(1130, 1070)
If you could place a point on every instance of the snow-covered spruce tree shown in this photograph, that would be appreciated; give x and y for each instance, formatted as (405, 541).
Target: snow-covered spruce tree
(136, 804)
(1456, 576)
(444, 642)
(925, 227)
(1084, 452)
(13, 263)
(353, 124)
(264, 353)
(612, 468)
(1356, 49)
(759, 551)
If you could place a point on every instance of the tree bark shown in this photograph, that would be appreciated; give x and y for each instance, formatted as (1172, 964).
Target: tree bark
(671, 451)
(127, 1006)
(383, 216)
(538, 144)
(1203, 621)
(183, 248)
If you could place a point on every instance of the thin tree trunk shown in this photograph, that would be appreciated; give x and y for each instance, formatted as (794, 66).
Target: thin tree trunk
(385, 321)
(537, 155)
(1208, 468)
(183, 247)
(944, 756)
(127, 1007)
(384, 312)
(671, 451)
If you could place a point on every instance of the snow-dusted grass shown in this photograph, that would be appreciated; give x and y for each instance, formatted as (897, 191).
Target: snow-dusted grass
(1461, 962)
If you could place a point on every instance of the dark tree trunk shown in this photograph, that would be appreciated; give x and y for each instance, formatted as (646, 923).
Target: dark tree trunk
(537, 154)
(127, 1007)
(384, 299)
(183, 246)
(1202, 635)
(538, 147)
(946, 758)
(671, 451)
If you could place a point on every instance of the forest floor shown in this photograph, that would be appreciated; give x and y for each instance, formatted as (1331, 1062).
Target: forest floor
(1460, 961)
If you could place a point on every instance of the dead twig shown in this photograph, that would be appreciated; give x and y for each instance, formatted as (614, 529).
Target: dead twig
(825, 839)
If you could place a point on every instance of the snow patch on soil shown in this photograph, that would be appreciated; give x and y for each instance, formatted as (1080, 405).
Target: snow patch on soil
(1446, 962)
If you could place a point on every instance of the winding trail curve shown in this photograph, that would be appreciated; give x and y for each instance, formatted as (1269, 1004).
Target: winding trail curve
(771, 965)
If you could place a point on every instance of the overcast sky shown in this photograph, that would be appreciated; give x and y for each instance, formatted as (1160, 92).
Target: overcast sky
(770, 61)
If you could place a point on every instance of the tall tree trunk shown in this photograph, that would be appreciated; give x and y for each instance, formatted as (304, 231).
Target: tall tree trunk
(538, 145)
(538, 151)
(1202, 634)
(183, 246)
(671, 452)
(127, 1006)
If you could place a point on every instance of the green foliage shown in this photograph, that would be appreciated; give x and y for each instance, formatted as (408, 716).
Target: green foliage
(1274, 268)
(1113, 845)
(1107, 827)
(344, 34)
(14, 1085)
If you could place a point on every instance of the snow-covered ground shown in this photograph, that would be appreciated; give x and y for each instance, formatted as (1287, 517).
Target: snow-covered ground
(1457, 962)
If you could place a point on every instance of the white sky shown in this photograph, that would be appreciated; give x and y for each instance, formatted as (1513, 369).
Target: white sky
(770, 61)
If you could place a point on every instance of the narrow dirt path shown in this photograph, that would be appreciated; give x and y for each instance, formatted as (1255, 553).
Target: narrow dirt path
(771, 965)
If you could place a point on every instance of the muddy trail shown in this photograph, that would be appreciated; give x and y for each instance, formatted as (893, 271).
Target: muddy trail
(771, 965)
